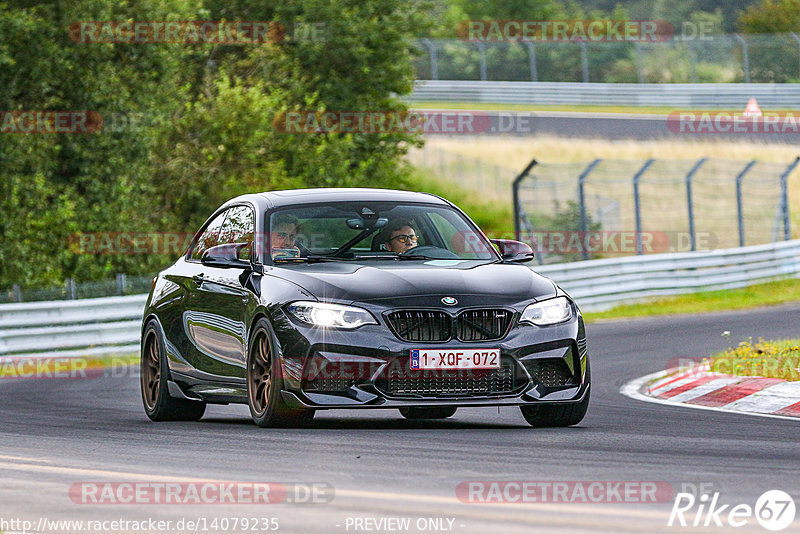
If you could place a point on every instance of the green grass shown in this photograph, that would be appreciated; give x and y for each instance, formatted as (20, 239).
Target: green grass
(769, 359)
(486, 106)
(17, 367)
(495, 218)
(768, 294)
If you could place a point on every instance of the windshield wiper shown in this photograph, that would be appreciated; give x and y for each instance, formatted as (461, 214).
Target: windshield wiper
(309, 259)
(414, 257)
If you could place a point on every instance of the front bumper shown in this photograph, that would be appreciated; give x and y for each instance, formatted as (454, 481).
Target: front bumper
(353, 366)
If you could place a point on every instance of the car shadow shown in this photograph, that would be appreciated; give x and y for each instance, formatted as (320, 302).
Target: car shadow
(351, 423)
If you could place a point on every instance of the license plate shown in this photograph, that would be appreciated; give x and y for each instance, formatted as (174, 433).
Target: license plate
(455, 359)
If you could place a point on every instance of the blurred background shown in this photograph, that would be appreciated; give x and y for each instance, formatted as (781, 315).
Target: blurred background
(185, 125)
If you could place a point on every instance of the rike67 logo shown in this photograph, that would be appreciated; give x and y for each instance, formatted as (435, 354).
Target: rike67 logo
(774, 510)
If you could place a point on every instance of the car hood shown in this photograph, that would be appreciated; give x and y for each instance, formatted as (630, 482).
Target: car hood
(421, 283)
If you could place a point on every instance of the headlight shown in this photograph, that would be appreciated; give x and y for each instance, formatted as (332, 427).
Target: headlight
(330, 315)
(547, 312)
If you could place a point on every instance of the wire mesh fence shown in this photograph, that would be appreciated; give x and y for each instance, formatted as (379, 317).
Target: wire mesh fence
(70, 290)
(473, 174)
(768, 58)
(576, 211)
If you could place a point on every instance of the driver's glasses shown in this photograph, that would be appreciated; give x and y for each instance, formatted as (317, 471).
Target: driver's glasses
(405, 238)
(286, 235)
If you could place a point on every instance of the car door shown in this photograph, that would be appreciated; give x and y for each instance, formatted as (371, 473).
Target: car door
(219, 301)
(187, 274)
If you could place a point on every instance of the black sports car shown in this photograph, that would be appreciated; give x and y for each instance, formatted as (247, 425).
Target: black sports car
(305, 300)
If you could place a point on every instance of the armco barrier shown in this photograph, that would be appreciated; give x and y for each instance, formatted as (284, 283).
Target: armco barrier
(675, 95)
(109, 325)
(601, 284)
(76, 327)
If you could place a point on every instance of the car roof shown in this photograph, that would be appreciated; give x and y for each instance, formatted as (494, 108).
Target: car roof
(291, 197)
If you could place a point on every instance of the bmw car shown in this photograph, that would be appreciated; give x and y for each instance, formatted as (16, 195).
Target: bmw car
(303, 300)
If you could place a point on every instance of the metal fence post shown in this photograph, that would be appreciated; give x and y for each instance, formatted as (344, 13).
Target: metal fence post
(69, 284)
(639, 61)
(582, 202)
(121, 283)
(796, 38)
(17, 293)
(739, 204)
(745, 57)
(636, 204)
(689, 205)
(515, 195)
(787, 225)
(482, 50)
(692, 62)
(434, 58)
(532, 59)
(584, 61)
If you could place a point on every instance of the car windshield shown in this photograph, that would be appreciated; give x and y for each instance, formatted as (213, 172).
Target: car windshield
(375, 231)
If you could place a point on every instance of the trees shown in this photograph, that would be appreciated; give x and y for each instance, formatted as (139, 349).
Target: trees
(771, 16)
(202, 128)
(56, 183)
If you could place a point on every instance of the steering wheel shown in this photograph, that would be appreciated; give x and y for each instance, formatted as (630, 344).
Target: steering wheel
(434, 253)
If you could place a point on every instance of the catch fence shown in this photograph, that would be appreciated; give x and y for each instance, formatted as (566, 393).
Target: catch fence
(732, 58)
(601, 208)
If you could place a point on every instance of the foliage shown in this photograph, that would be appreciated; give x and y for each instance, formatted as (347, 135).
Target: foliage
(193, 123)
(55, 183)
(771, 16)
(768, 359)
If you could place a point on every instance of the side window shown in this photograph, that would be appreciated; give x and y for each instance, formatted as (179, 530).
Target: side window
(239, 227)
(466, 243)
(209, 237)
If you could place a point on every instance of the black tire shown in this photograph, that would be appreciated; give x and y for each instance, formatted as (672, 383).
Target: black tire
(154, 374)
(439, 412)
(265, 382)
(558, 415)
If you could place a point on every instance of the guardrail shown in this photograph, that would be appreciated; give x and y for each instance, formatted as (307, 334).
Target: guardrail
(677, 95)
(72, 327)
(601, 284)
(111, 325)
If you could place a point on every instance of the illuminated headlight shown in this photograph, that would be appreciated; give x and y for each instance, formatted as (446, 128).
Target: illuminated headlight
(330, 315)
(547, 312)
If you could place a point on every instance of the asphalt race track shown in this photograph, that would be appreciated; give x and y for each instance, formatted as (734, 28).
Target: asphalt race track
(57, 433)
(614, 126)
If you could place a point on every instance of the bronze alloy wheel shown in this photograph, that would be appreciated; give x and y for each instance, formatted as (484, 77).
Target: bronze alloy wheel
(259, 374)
(151, 371)
(264, 383)
(159, 405)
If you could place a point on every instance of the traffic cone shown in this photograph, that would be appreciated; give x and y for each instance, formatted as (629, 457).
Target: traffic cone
(752, 109)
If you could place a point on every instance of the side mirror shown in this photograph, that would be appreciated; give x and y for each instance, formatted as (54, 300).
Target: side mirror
(513, 251)
(226, 255)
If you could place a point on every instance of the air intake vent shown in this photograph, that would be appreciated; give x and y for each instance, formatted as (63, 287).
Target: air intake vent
(432, 325)
(483, 325)
(420, 325)
(400, 380)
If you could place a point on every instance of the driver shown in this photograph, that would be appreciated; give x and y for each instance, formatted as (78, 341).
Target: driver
(282, 236)
(399, 236)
